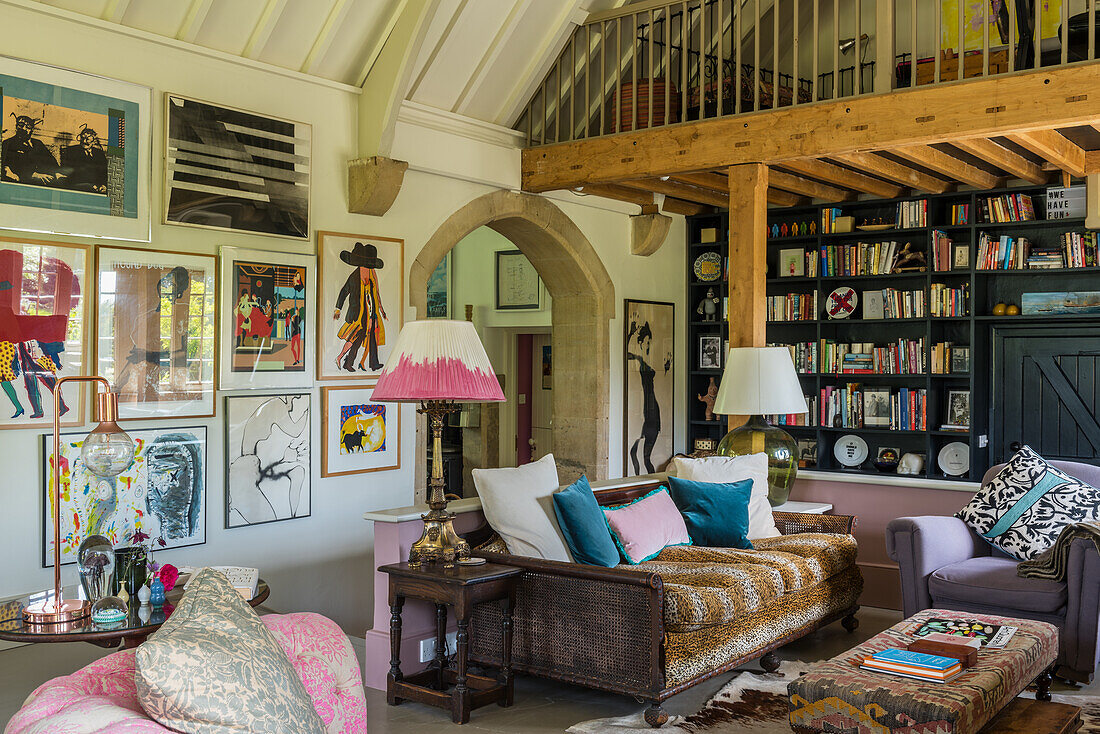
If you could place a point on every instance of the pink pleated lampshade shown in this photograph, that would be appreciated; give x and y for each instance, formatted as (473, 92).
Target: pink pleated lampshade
(437, 359)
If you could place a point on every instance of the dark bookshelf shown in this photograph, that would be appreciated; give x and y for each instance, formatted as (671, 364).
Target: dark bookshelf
(974, 330)
(699, 378)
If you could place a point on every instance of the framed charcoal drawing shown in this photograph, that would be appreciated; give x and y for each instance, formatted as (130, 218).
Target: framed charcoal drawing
(648, 385)
(75, 153)
(362, 287)
(162, 494)
(267, 458)
(358, 435)
(266, 322)
(44, 312)
(518, 286)
(156, 335)
(235, 170)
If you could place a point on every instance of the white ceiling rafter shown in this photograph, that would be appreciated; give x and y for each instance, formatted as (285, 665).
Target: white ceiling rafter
(380, 41)
(192, 22)
(436, 49)
(115, 10)
(507, 28)
(266, 23)
(336, 16)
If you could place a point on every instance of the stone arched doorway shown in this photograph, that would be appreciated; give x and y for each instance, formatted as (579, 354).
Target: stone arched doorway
(583, 303)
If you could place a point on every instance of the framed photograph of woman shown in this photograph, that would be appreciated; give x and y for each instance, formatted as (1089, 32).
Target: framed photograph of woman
(361, 302)
(648, 385)
(156, 331)
(266, 321)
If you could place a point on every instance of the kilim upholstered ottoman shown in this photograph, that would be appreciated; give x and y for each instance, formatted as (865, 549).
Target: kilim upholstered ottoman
(837, 696)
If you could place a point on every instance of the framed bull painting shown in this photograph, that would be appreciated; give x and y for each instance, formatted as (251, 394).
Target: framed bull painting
(358, 435)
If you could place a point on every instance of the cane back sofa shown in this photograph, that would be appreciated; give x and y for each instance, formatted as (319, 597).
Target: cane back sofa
(629, 630)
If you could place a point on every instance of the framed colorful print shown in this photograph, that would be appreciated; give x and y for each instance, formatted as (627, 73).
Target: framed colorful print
(439, 289)
(362, 300)
(358, 435)
(162, 494)
(44, 310)
(266, 325)
(75, 154)
(234, 170)
(517, 283)
(267, 469)
(156, 331)
(648, 385)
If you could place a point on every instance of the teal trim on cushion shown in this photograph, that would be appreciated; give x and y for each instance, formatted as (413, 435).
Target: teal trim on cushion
(716, 513)
(1049, 481)
(618, 542)
(584, 525)
(662, 488)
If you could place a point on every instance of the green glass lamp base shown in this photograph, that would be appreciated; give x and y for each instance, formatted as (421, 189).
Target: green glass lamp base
(757, 435)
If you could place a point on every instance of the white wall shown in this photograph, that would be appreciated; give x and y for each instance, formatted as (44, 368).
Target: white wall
(321, 563)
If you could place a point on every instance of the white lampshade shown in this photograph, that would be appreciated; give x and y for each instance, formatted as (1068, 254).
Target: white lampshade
(759, 381)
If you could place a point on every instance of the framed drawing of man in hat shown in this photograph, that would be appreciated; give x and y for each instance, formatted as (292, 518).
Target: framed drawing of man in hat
(361, 301)
(266, 319)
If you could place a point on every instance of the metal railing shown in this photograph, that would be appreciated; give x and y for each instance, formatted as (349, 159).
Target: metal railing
(655, 62)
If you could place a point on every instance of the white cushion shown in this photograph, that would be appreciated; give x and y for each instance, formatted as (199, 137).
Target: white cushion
(727, 469)
(517, 504)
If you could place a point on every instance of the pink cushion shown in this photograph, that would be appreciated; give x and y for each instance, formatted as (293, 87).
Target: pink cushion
(646, 526)
(101, 698)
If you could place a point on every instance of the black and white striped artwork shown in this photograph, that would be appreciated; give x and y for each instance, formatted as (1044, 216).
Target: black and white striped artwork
(236, 170)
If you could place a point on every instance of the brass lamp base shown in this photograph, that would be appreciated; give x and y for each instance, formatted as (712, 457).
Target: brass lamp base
(46, 612)
(439, 541)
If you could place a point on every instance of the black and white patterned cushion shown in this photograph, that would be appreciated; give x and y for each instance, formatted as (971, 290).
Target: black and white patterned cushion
(1024, 508)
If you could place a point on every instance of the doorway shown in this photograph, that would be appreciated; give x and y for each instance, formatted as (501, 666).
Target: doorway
(534, 397)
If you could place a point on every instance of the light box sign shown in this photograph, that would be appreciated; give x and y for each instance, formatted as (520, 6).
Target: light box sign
(1065, 203)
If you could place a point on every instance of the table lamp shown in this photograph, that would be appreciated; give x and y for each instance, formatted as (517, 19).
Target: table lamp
(758, 381)
(437, 363)
(106, 452)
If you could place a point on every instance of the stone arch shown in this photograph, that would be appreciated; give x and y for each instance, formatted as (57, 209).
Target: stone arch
(583, 303)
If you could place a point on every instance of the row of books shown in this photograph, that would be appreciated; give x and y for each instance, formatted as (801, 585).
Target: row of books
(912, 214)
(793, 307)
(899, 304)
(1007, 208)
(1080, 250)
(804, 356)
(1002, 253)
(905, 356)
(829, 215)
(912, 664)
(861, 258)
(809, 418)
(941, 251)
(947, 301)
(854, 406)
(960, 214)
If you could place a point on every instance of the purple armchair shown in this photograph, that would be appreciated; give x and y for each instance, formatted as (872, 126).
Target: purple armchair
(946, 565)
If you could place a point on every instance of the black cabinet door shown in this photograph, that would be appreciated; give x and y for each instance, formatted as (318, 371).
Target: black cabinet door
(1046, 391)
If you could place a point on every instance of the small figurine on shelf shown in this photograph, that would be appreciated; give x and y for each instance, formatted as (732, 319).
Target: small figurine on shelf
(783, 230)
(775, 230)
(813, 227)
(909, 260)
(802, 228)
(708, 400)
(708, 307)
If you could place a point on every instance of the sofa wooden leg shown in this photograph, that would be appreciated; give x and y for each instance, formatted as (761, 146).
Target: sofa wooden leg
(655, 716)
(850, 622)
(1042, 685)
(770, 662)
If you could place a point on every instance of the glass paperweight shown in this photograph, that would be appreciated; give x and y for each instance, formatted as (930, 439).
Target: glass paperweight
(109, 612)
(96, 562)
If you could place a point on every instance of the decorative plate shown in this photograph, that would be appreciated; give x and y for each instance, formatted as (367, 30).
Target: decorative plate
(850, 450)
(874, 227)
(841, 303)
(708, 267)
(954, 459)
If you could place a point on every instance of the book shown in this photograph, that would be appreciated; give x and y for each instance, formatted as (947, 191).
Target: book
(989, 635)
(913, 658)
(921, 678)
(245, 580)
(913, 671)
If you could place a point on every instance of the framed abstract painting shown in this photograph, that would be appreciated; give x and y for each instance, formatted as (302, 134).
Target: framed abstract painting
(266, 325)
(362, 287)
(162, 494)
(75, 156)
(156, 337)
(235, 170)
(267, 458)
(44, 312)
(358, 435)
(648, 386)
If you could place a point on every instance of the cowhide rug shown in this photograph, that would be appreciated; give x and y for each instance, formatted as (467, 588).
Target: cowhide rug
(757, 704)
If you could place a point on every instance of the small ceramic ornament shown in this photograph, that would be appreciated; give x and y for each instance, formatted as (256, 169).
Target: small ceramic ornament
(143, 595)
(708, 400)
(123, 594)
(708, 307)
(783, 230)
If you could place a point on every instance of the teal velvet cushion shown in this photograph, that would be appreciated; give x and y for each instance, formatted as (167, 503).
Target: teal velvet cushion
(582, 523)
(717, 515)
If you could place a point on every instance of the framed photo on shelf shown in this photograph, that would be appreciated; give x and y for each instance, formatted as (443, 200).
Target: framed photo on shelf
(76, 156)
(792, 263)
(163, 493)
(518, 286)
(961, 257)
(807, 453)
(649, 385)
(873, 305)
(876, 407)
(234, 170)
(358, 435)
(960, 359)
(710, 352)
(266, 324)
(156, 335)
(362, 292)
(267, 458)
(439, 289)
(958, 409)
(45, 306)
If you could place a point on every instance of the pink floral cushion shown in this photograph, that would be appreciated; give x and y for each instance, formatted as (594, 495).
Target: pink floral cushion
(101, 698)
(646, 526)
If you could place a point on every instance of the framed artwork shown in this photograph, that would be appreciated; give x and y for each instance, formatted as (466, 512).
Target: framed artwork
(162, 494)
(648, 385)
(361, 303)
(358, 435)
(75, 153)
(961, 257)
(439, 289)
(547, 367)
(960, 359)
(517, 283)
(876, 407)
(792, 263)
(267, 458)
(710, 352)
(44, 307)
(230, 169)
(958, 408)
(156, 332)
(266, 325)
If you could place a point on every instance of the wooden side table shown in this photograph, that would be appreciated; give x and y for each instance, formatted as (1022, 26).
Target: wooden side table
(461, 588)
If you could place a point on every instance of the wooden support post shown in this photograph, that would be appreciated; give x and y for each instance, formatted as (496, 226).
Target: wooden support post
(748, 244)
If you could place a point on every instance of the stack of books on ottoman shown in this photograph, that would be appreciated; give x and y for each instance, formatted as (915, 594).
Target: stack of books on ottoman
(912, 664)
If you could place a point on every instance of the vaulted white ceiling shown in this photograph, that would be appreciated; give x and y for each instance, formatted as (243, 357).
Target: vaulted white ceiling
(478, 58)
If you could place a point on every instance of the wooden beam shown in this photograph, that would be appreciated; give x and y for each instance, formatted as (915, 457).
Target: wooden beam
(947, 164)
(687, 208)
(1053, 147)
(748, 218)
(807, 187)
(1008, 161)
(679, 191)
(618, 193)
(1035, 100)
(841, 176)
(893, 171)
(785, 198)
(714, 181)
